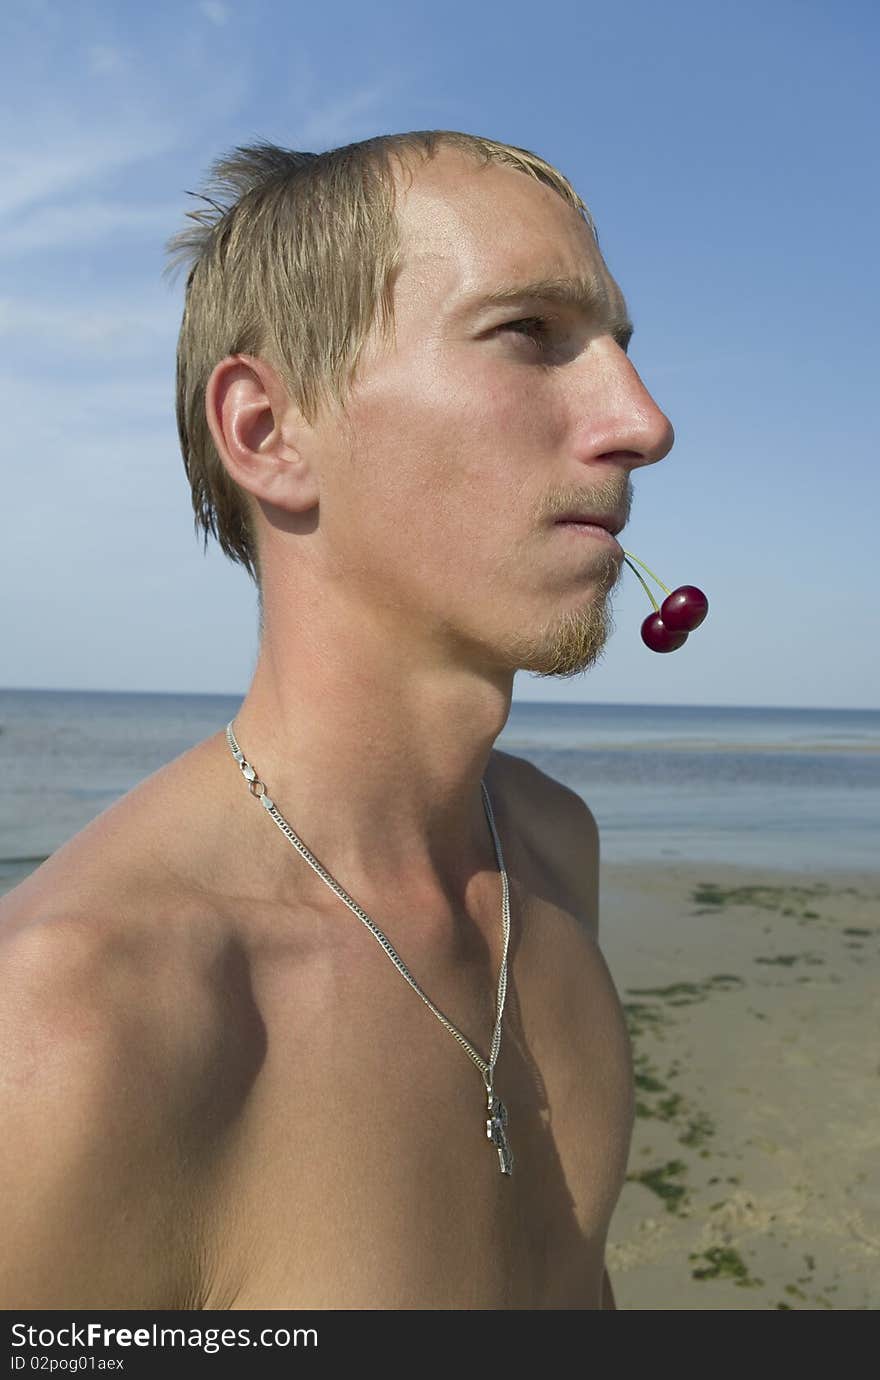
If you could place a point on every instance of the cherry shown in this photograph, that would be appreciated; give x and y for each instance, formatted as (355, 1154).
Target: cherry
(659, 636)
(683, 609)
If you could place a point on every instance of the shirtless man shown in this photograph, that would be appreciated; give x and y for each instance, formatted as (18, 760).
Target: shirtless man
(218, 1090)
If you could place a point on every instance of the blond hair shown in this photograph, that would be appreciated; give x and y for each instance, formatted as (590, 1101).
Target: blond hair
(293, 260)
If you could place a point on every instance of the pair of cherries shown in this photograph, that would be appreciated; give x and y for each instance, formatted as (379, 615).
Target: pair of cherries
(683, 609)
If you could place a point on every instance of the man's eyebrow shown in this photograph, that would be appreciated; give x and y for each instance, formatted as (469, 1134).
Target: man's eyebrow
(580, 293)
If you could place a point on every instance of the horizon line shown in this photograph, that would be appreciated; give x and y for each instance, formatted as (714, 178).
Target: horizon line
(592, 704)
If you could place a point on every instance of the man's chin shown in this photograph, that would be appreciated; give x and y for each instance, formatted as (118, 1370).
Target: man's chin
(573, 645)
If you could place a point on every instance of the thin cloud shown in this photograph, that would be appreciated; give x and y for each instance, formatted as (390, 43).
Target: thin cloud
(35, 399)
(67, 227)
(102, 57)
(37, 170)
(123, 329)
(341, 122)
(215, 11)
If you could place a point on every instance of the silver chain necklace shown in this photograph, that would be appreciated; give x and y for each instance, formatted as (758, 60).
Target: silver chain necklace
(496, 1122)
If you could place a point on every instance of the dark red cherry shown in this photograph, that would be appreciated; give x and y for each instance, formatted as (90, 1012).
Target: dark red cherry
(660, 638)
(684, 609)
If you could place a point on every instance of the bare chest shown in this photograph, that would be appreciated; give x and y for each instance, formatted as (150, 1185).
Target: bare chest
(358, 1173)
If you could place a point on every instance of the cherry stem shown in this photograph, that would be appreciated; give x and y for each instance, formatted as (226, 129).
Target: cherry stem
(650, 572)
(644, 586)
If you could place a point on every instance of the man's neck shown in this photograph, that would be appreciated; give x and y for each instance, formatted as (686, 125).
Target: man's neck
(378, 766)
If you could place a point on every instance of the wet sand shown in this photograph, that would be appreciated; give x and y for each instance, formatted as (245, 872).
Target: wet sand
(753, 1003)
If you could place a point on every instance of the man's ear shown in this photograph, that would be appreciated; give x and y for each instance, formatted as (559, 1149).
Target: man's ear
(260, 435)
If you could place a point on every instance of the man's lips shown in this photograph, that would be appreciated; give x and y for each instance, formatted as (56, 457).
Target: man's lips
(584, 531)
(611, 522)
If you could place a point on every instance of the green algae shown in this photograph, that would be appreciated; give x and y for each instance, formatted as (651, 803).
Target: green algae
(691, 988)
(667, 1109)
(724, 1263)
(642, 1016)
(648, 1083)
(660, 1180)
(786, 959)
(700, 1129)
(790, 900)
(687, 993)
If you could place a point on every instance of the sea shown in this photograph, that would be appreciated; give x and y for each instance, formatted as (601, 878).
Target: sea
(794, 789)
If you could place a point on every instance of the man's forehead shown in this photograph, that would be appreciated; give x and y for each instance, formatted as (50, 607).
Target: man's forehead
(436, 281)
(478, 239)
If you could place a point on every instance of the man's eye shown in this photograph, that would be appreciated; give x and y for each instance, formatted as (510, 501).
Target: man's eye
(535, 326)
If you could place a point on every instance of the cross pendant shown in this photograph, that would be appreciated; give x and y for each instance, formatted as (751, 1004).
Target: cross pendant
(495, 1131)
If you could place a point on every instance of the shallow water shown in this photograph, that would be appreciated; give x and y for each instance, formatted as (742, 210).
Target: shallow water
(796, 789)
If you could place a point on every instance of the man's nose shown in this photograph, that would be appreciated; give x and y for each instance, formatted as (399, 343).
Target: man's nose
(634, 428)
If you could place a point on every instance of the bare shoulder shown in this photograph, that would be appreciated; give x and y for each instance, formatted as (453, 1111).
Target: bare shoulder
(121, 996)
(109, 1070)
(559, 828)
(519, 771)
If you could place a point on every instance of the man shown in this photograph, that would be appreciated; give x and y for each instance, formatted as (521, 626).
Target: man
(221, 1091)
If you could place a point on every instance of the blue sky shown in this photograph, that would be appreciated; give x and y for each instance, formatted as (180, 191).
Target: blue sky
(729, 156)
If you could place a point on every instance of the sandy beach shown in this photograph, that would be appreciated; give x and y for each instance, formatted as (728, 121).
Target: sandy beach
(754, 1009)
